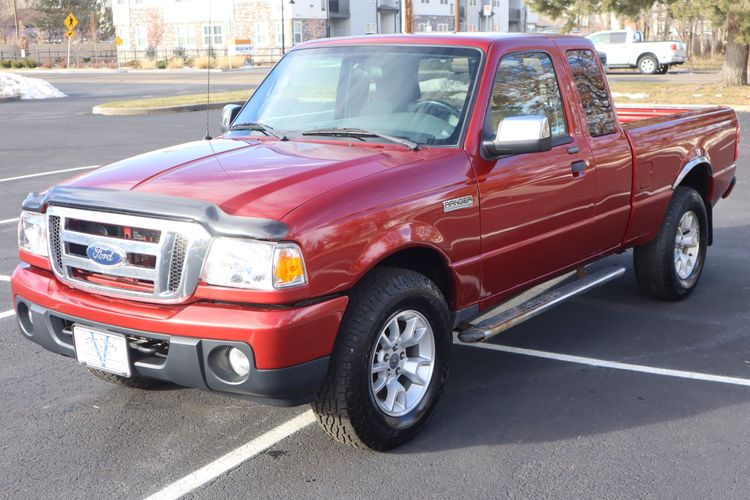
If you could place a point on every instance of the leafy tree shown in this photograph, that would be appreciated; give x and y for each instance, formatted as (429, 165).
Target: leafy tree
(94, 18)
(734, 15)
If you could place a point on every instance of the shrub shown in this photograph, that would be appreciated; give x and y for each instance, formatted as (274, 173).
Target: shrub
(146, 64)
(151, 53)
(19, 64)
(30, 63)
(176, 63)
(161, 64)
(6, 64)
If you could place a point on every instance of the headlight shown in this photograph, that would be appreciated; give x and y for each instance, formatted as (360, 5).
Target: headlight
(32, 233)
(256, 265)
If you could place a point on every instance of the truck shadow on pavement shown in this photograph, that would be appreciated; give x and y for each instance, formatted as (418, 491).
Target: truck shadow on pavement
(495, 397)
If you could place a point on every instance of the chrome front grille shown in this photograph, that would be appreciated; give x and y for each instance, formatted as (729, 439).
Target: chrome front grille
(161, 262)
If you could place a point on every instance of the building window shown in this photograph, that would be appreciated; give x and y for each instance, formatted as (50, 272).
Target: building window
(185, 36)
(473, 3)
(214, 31)
(370, 28)
(496, 3)
(425, 1)
(279, 32)
(297, 31)
(472, 27)
(261, 34)
(443, 2)
(442, 27)
(141, 37)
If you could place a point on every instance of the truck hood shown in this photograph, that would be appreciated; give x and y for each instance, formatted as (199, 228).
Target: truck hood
(248, 178)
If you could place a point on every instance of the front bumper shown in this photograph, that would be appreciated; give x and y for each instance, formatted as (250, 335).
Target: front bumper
(288, 348)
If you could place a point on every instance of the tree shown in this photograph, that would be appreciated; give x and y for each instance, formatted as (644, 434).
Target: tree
(155, 28)
(734, 15)
(53, 12)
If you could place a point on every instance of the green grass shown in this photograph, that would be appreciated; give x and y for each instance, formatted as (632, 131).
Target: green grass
(180, 100)
(675, 93)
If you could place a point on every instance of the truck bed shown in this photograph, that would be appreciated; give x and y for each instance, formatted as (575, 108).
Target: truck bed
(666, 140)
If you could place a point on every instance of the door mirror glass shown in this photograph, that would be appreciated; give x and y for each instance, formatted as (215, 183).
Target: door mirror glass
(228, 114)
(521, 134)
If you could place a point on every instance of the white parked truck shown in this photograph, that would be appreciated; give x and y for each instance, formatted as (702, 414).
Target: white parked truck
(628, 49)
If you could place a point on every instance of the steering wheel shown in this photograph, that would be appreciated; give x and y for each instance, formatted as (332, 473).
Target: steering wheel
(437, 109)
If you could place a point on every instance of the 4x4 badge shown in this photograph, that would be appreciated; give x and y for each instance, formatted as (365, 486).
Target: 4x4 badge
(458, 203)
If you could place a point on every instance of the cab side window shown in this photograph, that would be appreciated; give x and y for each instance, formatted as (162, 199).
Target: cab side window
(526, 84)
(597, 104)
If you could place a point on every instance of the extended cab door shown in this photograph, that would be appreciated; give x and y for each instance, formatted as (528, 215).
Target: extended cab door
(536, 209)
(612, 156)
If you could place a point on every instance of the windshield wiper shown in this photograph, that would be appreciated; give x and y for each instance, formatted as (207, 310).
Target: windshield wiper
(259, 127)
(360, 133)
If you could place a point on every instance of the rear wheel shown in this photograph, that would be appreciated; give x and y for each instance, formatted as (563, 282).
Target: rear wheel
(670, 266)
(390, 361)
(648, 65)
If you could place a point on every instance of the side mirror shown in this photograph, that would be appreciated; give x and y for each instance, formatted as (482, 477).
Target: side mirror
(228, 114)
(520, 134)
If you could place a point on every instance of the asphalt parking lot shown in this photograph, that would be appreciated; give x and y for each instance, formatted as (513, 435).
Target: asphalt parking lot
(610, 396)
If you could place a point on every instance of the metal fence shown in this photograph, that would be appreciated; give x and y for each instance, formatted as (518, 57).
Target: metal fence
(57, 55)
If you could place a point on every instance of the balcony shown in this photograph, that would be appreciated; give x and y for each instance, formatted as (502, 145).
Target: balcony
(387, 6)
(338, 9)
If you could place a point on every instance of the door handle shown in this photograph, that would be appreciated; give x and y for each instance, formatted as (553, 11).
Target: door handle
(579, 167)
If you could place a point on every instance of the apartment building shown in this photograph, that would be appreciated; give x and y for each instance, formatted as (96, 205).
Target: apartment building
(276, 25)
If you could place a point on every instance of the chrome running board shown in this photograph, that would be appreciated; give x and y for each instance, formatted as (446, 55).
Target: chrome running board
(509, 318)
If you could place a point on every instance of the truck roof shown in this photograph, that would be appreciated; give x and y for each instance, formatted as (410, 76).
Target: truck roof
(473, 39)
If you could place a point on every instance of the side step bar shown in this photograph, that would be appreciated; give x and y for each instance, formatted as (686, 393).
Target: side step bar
(505, 320)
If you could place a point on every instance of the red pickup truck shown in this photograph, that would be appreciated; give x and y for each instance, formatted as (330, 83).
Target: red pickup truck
(374, 196)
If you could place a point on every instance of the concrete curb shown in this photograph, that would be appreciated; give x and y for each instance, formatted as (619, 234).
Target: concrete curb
(11, 98)
(183, 108)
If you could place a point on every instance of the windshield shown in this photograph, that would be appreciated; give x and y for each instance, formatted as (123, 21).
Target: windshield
(415, 93)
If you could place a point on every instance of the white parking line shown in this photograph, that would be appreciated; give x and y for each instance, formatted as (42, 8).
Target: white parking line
(4, 278)
(7, 314)
(8, 221)
(39, 174)
(612, 364)
(234, 458)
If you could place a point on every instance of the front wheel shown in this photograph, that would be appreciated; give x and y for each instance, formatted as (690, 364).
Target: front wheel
(390, 361)
(670, 266)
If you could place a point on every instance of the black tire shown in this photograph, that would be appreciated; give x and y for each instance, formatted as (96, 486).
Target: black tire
(648, 65)
(654, 262)
(345, 404)
(134, 382)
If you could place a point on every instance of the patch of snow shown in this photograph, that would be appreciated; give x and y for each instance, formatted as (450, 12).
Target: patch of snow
(718, 95)
(697, 95)
(12, 84)
(636, 95)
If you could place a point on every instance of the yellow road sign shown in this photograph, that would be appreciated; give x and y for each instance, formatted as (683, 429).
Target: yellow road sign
(70, 34)
(71, 22)
(118, 41)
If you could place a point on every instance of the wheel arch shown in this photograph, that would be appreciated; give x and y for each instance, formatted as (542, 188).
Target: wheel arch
(698, 174)
(423, 258)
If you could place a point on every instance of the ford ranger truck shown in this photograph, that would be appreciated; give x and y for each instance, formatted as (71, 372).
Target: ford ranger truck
(374, 196)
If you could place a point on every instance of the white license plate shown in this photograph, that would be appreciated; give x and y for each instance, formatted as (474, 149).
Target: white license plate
(102, 350)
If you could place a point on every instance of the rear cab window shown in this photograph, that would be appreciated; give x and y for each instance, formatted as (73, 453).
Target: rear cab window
(526, 84)
(592, 89)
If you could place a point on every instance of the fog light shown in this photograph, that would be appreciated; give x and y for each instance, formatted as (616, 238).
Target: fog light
(238, 362)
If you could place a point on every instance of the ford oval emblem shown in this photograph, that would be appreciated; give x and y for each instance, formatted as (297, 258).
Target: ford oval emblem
(105, 255)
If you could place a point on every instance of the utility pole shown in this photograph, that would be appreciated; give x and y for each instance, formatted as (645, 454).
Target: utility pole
(456, 15)
(15, 18)
(406, 25)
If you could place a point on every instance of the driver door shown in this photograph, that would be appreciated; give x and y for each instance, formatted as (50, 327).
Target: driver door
(536, 209)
